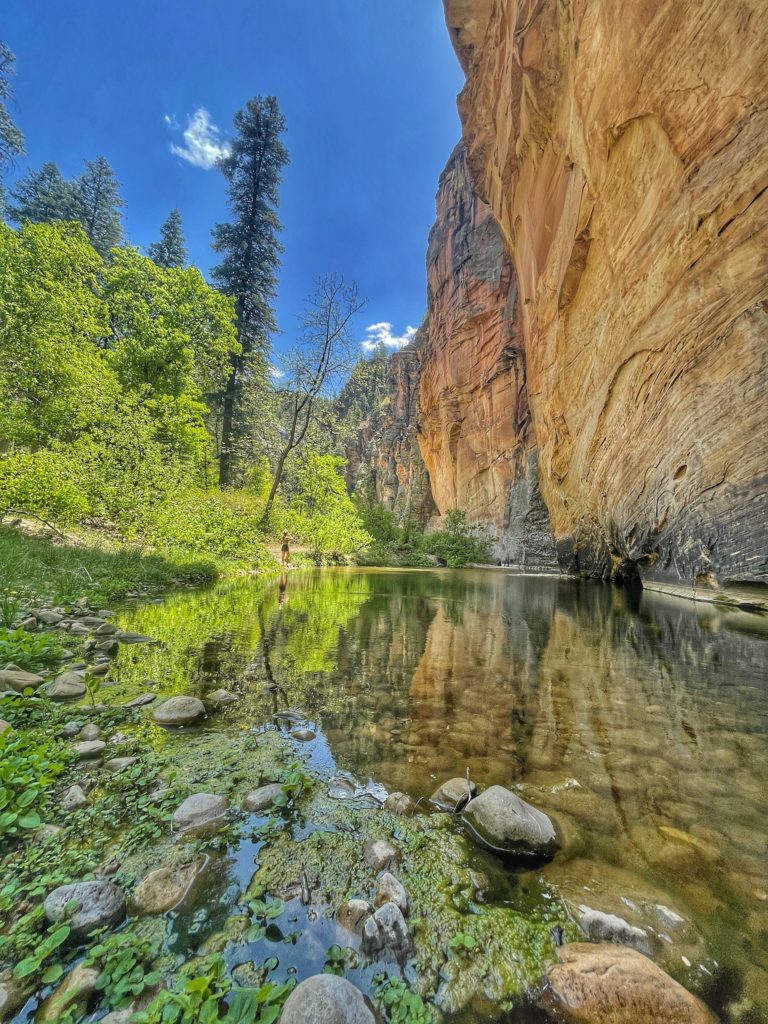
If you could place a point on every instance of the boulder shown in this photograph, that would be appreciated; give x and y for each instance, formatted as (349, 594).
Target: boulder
(326, 999)
(99, 904)
(179, 711)
(303, 734)
(74, 992)
(140, 701)
(165, 888)
(400, 803)
(133, 638)
(380, 854)
(18, 680)
(119, 764)
(29, 625)
(386, 931)
(89, 732)
(453, 794)
(599, 926)
(220, 696)
(67, 686)
(352, 915)
(262, 798)
(71, 729)
(109, 646)
(504, 823)
(48, 617)
(88, 749)
(390, 890)
(100, 668)
(106, 629)
(200, 812)
(607, 984)
(74, 799)
(79, 629)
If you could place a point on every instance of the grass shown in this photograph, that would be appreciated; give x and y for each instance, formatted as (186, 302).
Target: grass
(35, 567)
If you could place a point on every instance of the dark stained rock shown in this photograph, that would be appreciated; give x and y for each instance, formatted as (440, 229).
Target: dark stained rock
(506, 824)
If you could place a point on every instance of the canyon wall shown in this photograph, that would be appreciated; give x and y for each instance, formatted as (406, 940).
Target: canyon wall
(474, 420)
(623, 151)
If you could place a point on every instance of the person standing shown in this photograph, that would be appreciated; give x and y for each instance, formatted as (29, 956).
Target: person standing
(285, 549)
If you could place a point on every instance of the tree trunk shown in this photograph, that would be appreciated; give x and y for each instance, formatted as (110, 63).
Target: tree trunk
(275, 484)
(228, 428)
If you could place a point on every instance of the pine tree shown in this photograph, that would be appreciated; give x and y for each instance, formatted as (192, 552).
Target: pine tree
(248, 271)
(171, 250)
(11, 139)
(43, 195)
(99, 205)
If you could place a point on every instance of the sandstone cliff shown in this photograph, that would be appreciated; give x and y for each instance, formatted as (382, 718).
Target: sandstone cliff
(474, 420)
(623, 150)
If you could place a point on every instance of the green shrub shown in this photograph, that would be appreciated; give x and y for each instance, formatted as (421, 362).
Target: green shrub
(41, 483)
(33, 652)
(28, 769)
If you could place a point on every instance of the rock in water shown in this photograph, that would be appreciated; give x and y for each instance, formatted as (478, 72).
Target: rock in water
(220, 696)
(599, 926)
(390, 890)
(380, 854)
(607, 984)
(400, 803)
(200, 812)
(326, 999)
(387, 931)
(453, 794)
(99, 904)
(353, 913)
(163, 889)
(262, 798)
(179, 711)
(67, 686)
(75, 991)
(506, 824)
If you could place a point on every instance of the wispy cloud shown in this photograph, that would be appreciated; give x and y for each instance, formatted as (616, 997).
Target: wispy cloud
(276, 372)
(203, 144)
(170, 120)
(383, 334)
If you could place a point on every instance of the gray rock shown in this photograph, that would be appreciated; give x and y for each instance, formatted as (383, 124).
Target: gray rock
(179, 711)
(119, 764)
(99, 904)
(47, 831)
(106, 629)
(78, 629)
(67, 686)
(262, 798)
(140, 701)
(164, 888)
(109, 646)
(340, 789)
(200, 812)
(29, 625)
(74, 799)
(303, 734)
(99, 669)
(380, 854)
(92, 621)
(49, 617)
(352, 915)
(386, 931)
(88, 749)
(105, 613)
(400, 803)
(89, 732)
(390, 890)
(601, 927)
(71, 729)
(326, 999)
(453, 794)
(506, 824)
(16, 679)
(133, 638)
(220, 696)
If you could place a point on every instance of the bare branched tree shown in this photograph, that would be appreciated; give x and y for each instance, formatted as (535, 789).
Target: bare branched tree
(318, 364)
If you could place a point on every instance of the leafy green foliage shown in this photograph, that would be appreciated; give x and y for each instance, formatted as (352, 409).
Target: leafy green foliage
(322, 513)
(399, 1004)
(125, 967)
(462, 943)
(335, 960)
(11, 139)
(56, 936)
(408, 545)
(33, 652)
(28, 768)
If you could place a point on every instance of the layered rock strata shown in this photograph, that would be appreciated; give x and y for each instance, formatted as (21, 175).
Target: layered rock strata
(622, 149)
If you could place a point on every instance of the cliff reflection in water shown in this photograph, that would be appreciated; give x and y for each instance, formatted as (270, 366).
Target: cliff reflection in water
(657, 709)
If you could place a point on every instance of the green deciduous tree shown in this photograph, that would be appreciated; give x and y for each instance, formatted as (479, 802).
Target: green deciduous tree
(99, 205)
(11, 139)
(170, 251)
(322, 513)
(251, 253)
(44, 195)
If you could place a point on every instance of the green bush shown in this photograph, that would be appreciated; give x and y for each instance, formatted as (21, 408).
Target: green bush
(28, 768)
(408, 546)
(33, 652)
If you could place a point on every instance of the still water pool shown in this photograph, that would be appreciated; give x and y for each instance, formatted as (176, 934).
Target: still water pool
(639, 723)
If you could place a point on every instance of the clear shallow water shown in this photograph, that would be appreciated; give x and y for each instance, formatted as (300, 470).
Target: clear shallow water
(658, 710)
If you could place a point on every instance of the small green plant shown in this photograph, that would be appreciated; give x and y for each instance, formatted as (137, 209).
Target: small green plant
(55, 937)
(9, 607)
(462, 943)
(28, 768)
(399, 1004)
(33, 652)
(294, 784)
(263, 910)
(125, 963)
(335, 960)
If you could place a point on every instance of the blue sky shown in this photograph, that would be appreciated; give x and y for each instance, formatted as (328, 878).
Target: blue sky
(367, 86)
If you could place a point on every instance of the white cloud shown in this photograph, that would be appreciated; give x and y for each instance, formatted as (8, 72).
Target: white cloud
(383, 334)
(276, 372)
(203, 145)
(170, 120)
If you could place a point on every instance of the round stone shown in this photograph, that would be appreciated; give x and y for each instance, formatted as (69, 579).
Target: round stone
(352, 915)
(88, 749)
(390, 890)
(326, 999)
(165, 888)
(504, 823)
(98, 904)
(67, 686)
(179, 711)
(89, 732)
(201, 811)
(303, 734)
(220, 696)
(453, 794)
(18, 680)
(400, 803)
(380, 854)
(262, 798)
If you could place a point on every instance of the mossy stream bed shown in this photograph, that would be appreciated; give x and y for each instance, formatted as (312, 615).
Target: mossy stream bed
(639, 727)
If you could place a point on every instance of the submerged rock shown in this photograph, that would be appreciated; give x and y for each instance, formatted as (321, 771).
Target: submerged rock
(18, 680)
(262, 798)
(352, 915)
(75, 991)
(326, 999)
(386, 931)
(599, 926)
(98, 905)
(303, 734)
(164, 888)
(380, 854)
(201, 811)
(453, 794)
(400, 803)
(220, 696)
(506, 824)
(607, 984)
(179, 711)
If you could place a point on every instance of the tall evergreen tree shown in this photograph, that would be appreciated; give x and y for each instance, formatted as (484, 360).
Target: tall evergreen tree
(98, 194)
(43, 195)
(248, 271)
(11, 139)
(171, 250)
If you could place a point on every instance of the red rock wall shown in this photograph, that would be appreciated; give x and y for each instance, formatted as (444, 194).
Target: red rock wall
(623, 150)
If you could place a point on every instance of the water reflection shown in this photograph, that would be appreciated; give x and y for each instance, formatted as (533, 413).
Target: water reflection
(642, 727)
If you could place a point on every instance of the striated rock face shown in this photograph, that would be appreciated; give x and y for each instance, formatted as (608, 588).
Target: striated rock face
(623, 151)
(386, 451)
(475, 426)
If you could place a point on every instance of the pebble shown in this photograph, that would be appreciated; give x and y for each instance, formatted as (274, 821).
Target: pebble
(262, 798)
(201, 811)
(74, 799)
(390, 890)
(89, 732)
(380, 854)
